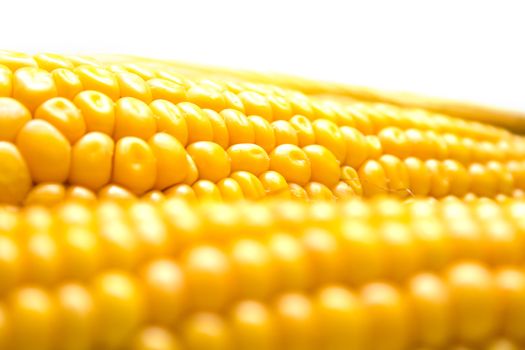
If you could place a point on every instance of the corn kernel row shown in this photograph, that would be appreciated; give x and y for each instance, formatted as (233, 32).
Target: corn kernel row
(257, 249)
(271, 102)
(206, 171)
(468, 303)
(93, 111)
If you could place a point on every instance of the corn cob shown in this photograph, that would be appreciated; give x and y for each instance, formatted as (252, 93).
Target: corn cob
(146, 126)
(100, 269)
(169, 275)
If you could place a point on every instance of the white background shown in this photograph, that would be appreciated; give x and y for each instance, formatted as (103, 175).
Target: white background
(471, 50)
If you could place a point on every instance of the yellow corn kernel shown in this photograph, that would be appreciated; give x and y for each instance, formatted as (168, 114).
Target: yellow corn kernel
(304, 130)
(78, 61)
(142, 71)
(511, 285)
(13, 115)
(116, 193)
(362, 252)
(33, 318)
(132, 85)
(230, 190)
(284, 133)
(318, 192)
(239, 127)
(63, 115)
(166, 289)
(134, 165)
(291, 261)
(397, 175)
(15, 180)
(119, 247)
(248, 157)
(150, 230)
(16, 60)
(482, 181)
(459, 177)
(181, 191)
(325, 253)
(199, 126)
(98, 79)
(343, 191)
(388, 314)
(91, 160)
(474, 298)
(33, 86)
(119, 301)
(263, 133)
(327, 134)
(373, 178)
(46, 151)
(505, 180)
(206, 268)
(344, 118)
(155, 338)
(81, 194)
(291, 162)
(418, 145)
(133, 118)
(300, 104)
(297, 322)
(254, 269)
(170, 155)
(456, 149)
(76, 315)
(356, 145)
(232, 101)
(6, 81)
(484, 151)
(439, 145)
(211, 160)
(98, 111)
(439, 180)
(220, 131)
(47, 194)
(253, 326)
(49, 61)
(206, 190)
(162, 89)
(170, 120)
(206, 97)
(205, 330)
(394, 141)
(324, 165)
(251, 186)
(323, 110)
(273, 182)
(375, 149)
(193, 172)
(361, 119)
(297, 192)
(256, 104)
(350, 177)
(341, 319)
(281, 108)
(67, 83)
(420, 177)
(432, 310)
